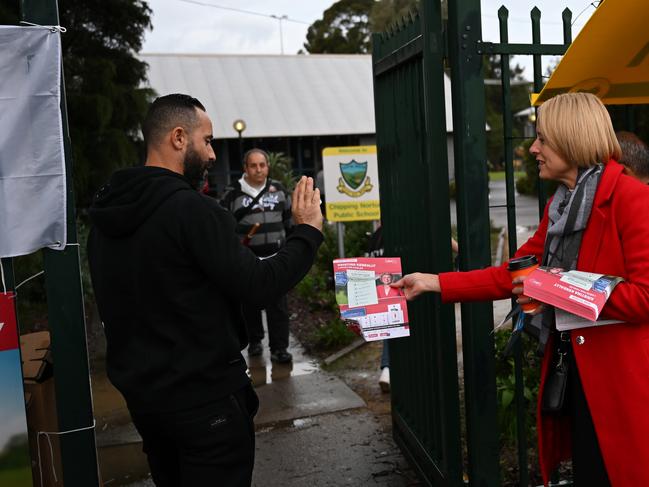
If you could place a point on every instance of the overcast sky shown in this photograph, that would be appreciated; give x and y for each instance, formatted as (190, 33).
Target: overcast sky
(191, 26)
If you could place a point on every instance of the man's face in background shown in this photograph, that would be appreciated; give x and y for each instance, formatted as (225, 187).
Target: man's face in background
(256, 169)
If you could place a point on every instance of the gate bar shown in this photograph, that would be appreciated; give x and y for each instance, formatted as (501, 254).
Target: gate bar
(66, 315)
(464, 29)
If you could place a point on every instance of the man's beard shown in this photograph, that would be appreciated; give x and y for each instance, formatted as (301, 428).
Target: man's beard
(194, 167)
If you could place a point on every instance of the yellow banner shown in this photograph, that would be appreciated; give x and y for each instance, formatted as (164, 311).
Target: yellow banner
(354, 211)
(609, 57)
(352, 149)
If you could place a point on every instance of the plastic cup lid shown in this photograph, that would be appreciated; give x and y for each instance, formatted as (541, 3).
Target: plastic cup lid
(522, 263)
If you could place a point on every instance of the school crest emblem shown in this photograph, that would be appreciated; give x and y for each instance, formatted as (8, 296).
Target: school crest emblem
(354, 181)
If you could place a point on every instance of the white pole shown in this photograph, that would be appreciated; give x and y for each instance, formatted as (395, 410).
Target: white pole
(281, 33)
(281, 30)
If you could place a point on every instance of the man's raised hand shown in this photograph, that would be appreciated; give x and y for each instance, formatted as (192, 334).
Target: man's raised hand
(306, 204)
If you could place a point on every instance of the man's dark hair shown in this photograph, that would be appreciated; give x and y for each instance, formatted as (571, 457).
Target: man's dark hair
(167, 112)
(635, 153)
(255, 151)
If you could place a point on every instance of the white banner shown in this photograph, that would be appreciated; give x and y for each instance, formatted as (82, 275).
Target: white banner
(32, 164)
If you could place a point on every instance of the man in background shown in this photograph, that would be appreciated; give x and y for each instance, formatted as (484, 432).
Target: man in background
(635, 155)
(170, 277)
(262, 208)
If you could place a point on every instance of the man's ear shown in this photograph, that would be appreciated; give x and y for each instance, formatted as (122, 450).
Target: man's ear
(178, 138)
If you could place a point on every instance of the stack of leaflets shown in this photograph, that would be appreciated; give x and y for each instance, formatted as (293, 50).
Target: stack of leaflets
(368, 305)
(580, 293)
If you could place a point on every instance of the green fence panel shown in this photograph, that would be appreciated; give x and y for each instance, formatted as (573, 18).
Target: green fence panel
(411, 138)
(411, 141)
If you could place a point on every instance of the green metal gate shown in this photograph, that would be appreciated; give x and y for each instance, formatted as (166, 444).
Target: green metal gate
(411, 134)
(411, 138)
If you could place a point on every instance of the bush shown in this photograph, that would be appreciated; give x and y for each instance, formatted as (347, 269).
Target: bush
(505, 387)
(280, 169)
(317, 288)
(334, 334)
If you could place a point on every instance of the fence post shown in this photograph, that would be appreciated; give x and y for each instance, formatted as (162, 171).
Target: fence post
(465, 57)
(66, 316)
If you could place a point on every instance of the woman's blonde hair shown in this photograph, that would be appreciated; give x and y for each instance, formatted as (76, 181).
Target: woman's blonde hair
(578, 127)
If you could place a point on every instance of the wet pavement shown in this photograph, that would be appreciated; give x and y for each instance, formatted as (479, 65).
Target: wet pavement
(348, 448)
(312, 429)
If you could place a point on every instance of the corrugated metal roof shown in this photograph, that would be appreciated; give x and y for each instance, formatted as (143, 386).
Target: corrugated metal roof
(277, 96)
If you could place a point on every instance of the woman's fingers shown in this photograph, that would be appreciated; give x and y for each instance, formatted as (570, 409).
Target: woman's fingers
(417, 283)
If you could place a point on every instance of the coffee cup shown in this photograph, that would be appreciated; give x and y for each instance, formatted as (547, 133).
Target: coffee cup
(522, 266)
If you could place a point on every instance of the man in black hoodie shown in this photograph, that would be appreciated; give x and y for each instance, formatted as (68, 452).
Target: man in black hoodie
(170, 278)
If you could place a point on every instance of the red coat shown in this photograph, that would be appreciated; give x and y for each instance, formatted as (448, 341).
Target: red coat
(613, 360)
(383, 291)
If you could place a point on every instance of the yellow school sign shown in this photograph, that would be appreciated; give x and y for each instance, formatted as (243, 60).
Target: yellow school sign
(351, 180)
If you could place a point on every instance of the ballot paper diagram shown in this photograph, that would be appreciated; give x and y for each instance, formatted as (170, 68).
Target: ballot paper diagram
(368, 303)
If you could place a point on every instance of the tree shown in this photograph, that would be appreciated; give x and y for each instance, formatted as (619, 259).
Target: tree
(343, 29)
(103, 81)
(346, 26)
(384, 13)
(8, 13)
(103, 77)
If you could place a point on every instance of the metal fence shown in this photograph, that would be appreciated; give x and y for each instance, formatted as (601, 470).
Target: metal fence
(411, 138)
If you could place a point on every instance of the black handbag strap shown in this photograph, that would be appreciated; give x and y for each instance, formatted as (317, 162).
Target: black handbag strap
(242, 212)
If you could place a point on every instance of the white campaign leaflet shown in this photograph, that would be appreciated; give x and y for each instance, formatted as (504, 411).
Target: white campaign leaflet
(369, 306)
(361, 290)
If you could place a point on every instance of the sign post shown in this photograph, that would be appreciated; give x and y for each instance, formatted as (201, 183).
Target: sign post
(351, 180)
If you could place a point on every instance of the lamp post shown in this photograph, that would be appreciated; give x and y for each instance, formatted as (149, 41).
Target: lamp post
(239, 125)
(281, 32)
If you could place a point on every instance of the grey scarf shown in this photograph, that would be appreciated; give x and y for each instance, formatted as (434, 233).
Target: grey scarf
(568, 215)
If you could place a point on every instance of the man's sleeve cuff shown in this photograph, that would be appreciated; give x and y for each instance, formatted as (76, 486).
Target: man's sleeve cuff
(309, 233)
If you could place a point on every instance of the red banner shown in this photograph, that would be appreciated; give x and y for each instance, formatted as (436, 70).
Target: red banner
(8, 328)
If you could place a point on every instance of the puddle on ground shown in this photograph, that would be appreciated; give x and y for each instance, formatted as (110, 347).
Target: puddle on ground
(123, 464)
(262, 372)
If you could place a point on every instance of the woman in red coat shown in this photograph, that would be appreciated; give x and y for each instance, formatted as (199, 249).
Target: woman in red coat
(596, 222)
(384, 290)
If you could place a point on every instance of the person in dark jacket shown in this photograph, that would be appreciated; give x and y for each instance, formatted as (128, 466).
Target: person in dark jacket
(170, 276)
(635, 155)
(262, 208)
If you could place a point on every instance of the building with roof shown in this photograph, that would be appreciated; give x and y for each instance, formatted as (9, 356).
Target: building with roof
(295, 104)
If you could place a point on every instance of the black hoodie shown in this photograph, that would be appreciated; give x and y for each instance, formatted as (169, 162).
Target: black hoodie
(170, 276)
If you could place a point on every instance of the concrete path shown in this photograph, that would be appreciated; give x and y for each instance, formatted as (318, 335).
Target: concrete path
(312, 429)
(329, 450)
